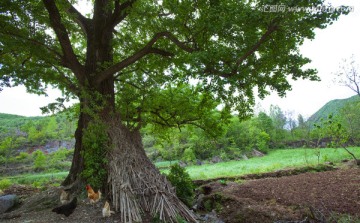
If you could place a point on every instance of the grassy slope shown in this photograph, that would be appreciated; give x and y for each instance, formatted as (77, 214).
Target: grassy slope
(275, 160)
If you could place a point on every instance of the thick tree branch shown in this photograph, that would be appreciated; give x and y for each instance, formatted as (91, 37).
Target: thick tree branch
(62, 35)
(120, 12)
(147, 49)
(81, 20)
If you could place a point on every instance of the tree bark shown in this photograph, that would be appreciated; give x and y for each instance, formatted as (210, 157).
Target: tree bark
(77, 164)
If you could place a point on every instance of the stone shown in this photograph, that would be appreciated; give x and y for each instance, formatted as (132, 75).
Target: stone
(182, 164)
(199, 203)
(7, 202)
(216, 159)
(257, 153)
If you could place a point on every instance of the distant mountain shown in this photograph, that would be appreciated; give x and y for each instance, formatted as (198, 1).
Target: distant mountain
(332, 107)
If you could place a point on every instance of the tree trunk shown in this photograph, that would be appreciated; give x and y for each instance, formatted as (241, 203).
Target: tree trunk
(87, 103)
(77, 164)
(135, 183)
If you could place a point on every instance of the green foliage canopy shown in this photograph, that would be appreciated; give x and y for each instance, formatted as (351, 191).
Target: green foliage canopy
(228, 46)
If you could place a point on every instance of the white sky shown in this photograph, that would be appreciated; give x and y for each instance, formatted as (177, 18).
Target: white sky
(331, 45)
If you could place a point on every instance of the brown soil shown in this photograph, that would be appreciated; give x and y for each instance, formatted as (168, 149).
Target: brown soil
(311, 196)
(272, 199)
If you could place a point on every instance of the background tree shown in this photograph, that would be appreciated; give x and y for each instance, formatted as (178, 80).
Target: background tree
(245, 136)
(338, 135)
(302, 132)
(6, 145)
(51, 129)
(301, 121)
(350, 118)
(264, 122)
(279, 121)
(348, 74)
(119, 57)
(290, 123)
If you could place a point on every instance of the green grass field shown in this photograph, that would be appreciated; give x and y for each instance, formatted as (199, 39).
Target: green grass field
(274, 160)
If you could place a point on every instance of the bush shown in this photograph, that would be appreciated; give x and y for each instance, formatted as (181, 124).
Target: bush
(232, 153)
(182, 182)
(189, 155)
(5, 183)
(22, 156)
(39, 160)
(58, 159)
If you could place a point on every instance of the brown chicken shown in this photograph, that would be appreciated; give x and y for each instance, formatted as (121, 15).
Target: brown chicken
(64, 197)
(106, 212)
(94, 197)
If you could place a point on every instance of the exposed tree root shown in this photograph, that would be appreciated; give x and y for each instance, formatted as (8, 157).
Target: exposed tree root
(136, 186)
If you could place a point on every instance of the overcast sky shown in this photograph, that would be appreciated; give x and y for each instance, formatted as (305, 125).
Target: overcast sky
(330, 47)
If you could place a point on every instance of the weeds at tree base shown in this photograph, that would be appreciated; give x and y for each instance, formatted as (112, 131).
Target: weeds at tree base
(182, 182)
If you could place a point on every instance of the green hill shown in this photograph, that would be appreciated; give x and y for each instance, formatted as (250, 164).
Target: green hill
(332, 107)
(8, 121)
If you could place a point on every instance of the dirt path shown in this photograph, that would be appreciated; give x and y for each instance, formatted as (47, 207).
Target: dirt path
(271, 199)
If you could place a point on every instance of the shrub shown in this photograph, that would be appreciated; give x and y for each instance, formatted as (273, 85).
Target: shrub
(22, 156)
(58, 159)
(5, 183)
(182, 182)
(232, 153)
(189, 155)
(39, 160)
(224, 156)
(262, 142)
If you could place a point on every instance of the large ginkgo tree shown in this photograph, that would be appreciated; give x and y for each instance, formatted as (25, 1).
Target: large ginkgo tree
(165, 62)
